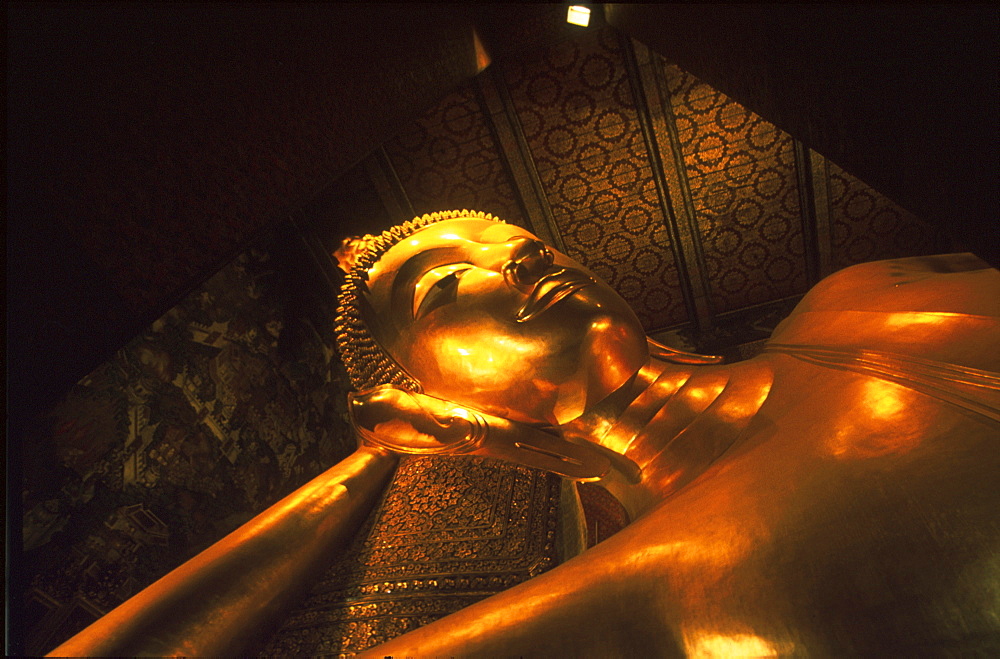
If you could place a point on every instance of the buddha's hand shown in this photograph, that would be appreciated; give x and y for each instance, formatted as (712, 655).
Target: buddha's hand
(407, 422)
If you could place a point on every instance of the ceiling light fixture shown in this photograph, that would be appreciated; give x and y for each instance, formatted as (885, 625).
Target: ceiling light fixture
(578, 15)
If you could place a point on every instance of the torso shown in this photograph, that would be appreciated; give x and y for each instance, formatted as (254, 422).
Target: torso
(855, 511)
(840, 523)
(858, 512)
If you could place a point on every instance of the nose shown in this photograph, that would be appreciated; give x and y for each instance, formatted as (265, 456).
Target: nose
(529, 259)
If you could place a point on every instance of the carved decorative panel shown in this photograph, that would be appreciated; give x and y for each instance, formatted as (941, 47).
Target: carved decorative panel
(448, 159)
(866, 226)
(741, 172)
(580, 122)
(450, 532)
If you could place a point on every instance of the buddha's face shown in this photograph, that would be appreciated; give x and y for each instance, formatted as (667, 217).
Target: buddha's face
(483, 314)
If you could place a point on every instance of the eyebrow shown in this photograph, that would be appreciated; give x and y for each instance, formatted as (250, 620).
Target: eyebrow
(401, 290)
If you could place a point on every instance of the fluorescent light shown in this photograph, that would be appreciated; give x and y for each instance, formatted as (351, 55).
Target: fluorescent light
(578, 15)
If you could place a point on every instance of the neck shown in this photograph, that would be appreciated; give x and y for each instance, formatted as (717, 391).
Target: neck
(669, 423)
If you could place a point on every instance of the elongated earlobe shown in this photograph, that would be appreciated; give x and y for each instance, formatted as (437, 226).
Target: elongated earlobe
(408, 422)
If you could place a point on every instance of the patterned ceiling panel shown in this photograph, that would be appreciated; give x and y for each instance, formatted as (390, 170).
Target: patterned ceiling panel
(866, 226)
(449, 159)
(556, 143)
(741, 172)
(578, 116)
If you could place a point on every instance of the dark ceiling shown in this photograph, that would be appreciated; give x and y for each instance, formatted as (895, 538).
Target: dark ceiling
(149, 143)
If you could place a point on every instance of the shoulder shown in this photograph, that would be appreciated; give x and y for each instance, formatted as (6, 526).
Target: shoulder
(943, 283)
(943, 308)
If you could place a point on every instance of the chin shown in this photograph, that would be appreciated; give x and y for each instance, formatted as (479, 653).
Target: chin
(618, 351)
(612, 353)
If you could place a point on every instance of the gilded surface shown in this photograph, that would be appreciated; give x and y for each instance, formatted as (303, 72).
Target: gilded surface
(569, 101)
(450, 532)
(834, 496)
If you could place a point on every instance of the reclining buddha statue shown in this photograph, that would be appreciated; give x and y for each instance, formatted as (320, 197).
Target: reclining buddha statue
(835, 495)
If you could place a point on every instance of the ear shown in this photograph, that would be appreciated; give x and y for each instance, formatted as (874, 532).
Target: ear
(408, 422)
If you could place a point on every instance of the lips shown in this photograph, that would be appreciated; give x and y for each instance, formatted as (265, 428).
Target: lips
(551, 288)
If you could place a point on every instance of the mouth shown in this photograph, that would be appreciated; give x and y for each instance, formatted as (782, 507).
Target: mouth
(551, 288)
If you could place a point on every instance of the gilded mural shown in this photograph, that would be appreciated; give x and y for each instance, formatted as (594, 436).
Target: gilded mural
(223, 405)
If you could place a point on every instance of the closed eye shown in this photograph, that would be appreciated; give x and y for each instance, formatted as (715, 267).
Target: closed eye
(437, 288)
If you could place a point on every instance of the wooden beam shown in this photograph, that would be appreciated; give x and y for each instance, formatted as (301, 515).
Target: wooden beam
(821, 204)
(667, 162)
(807, 211)
(388, 186)
(498, 108)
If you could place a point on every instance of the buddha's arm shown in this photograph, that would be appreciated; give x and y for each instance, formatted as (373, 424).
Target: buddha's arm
(216, 602)
(603, 603)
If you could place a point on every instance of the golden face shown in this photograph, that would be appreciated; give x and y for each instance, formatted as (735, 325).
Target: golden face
(483, 314)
